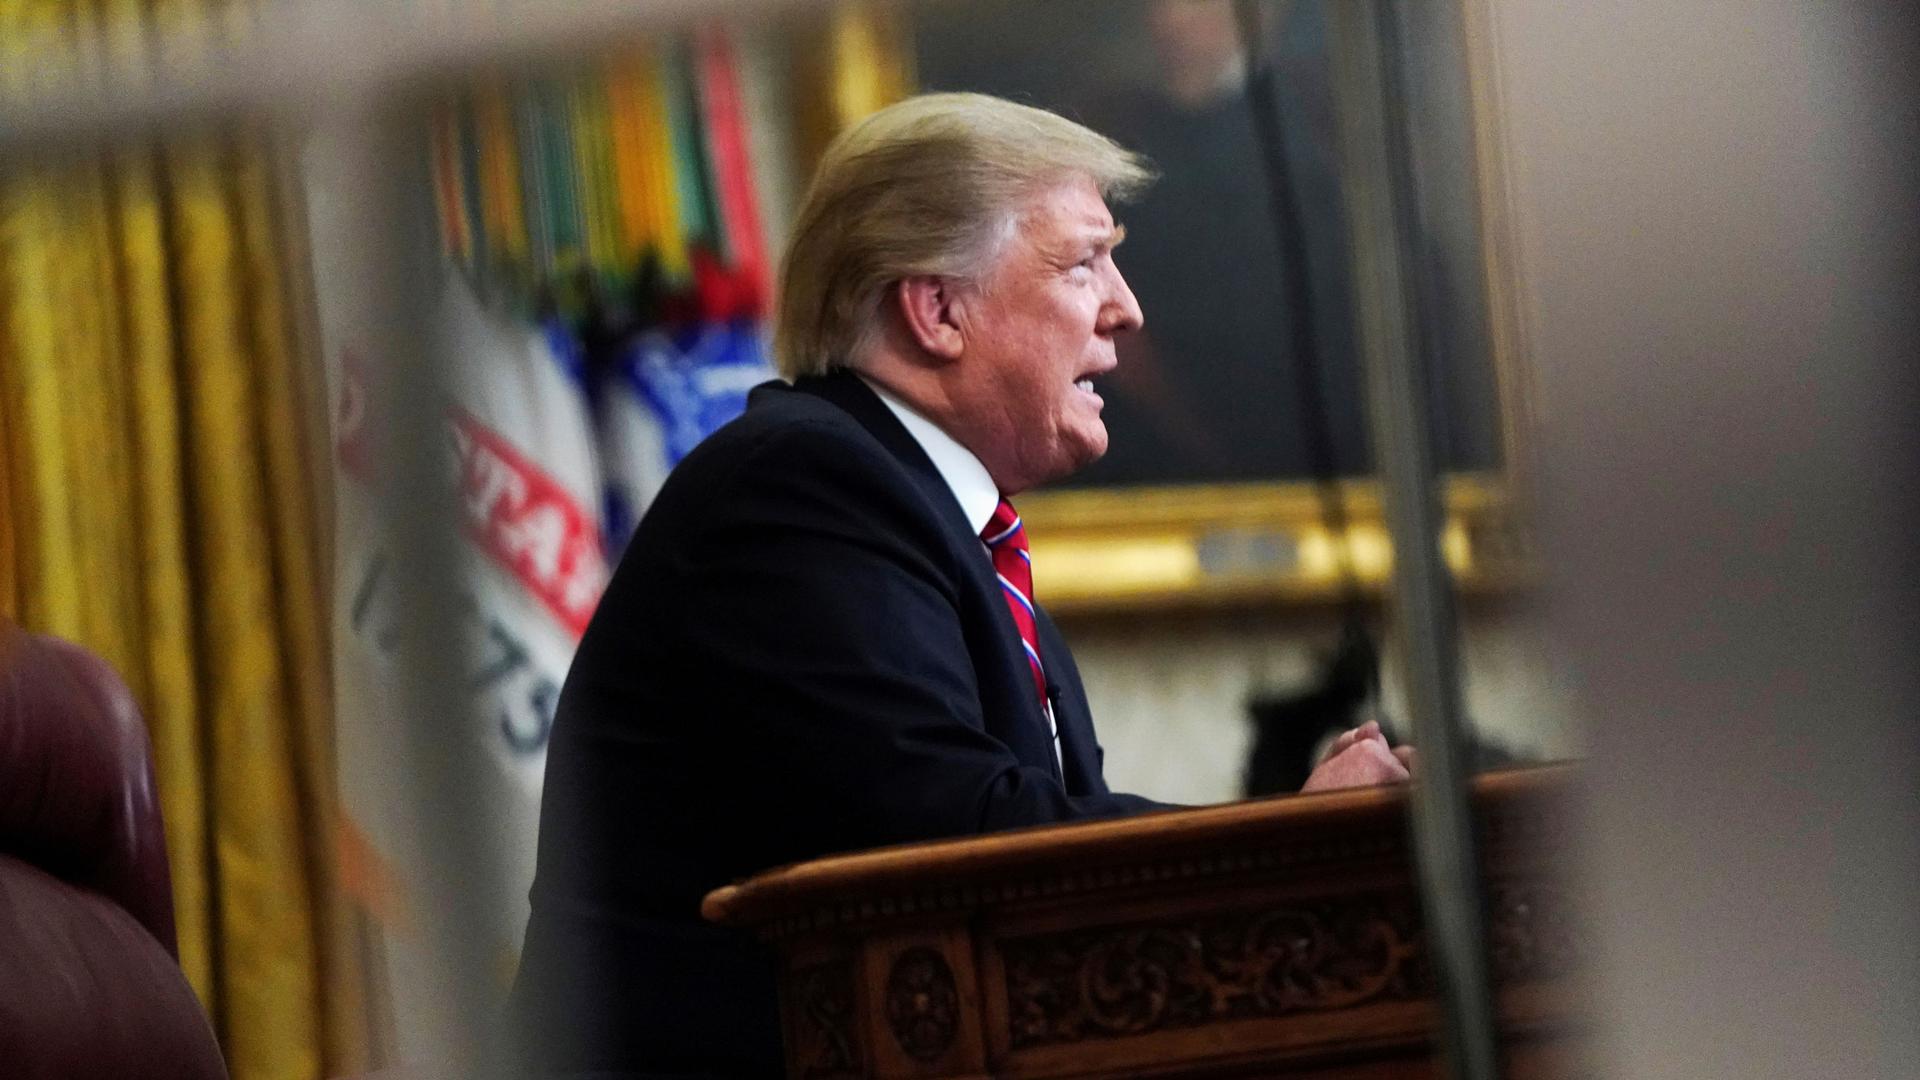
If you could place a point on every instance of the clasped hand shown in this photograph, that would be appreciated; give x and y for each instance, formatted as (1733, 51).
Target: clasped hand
(1361, 758)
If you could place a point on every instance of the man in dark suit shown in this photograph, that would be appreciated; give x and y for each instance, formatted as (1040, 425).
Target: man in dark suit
(823, 635)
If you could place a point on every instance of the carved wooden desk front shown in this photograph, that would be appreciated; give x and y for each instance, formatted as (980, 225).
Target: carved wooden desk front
(1279, 937)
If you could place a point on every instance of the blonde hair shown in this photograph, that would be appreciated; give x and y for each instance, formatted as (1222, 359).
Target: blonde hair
(931, 185)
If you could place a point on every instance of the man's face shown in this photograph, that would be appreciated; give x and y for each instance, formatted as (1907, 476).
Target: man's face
(1038, 331)
(1193, 37)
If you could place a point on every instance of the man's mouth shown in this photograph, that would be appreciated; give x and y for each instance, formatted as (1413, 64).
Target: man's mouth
(1084, 384)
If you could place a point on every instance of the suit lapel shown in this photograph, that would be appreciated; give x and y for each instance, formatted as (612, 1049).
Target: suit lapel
(844, 389)
(1013, 692)
(1079, 754)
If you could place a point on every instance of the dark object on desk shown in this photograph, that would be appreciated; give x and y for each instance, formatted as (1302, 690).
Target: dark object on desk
(1287, 729)
(91, 985)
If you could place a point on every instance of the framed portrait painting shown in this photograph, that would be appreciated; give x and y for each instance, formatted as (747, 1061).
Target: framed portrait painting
(1240, 409)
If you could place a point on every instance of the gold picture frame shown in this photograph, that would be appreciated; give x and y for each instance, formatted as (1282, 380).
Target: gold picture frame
(1204, 545)
(1237, 544)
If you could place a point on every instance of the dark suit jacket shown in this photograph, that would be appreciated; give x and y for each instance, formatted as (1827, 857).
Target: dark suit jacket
(803, 651)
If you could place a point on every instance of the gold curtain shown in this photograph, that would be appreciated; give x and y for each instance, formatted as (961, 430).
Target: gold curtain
(855, 58)
(159, 507)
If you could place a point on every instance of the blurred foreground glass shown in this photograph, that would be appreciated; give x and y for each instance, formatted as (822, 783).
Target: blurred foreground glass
(415, 568)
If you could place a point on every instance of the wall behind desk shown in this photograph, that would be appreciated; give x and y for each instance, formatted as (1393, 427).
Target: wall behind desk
(1169, 692)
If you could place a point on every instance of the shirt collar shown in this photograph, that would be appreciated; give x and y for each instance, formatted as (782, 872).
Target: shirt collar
(969, 481)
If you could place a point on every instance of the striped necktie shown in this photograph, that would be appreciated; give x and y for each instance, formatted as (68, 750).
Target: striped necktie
(1007, 542)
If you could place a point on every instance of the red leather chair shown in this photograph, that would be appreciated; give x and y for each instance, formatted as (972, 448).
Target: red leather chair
(90, 983)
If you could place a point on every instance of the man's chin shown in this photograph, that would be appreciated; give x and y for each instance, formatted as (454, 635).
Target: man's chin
(1098, 444)
(1066, 459)
(1089, 451)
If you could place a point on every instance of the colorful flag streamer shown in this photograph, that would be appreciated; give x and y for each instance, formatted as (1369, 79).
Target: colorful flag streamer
(627, 186)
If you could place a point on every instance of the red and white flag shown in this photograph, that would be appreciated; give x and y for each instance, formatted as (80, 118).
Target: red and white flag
(532, 570)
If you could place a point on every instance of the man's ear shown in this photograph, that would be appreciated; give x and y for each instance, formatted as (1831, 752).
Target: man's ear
(927, 311)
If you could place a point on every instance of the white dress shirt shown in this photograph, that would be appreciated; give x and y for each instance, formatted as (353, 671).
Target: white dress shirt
(972, 486)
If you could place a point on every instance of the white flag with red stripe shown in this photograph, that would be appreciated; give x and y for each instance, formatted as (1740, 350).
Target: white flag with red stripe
(534, 568)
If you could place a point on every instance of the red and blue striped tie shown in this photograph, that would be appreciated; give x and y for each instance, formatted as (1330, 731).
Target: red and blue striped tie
(1007, 542)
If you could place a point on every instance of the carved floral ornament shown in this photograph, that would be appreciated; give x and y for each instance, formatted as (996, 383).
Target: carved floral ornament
(923, 1004)
(1140, 978)
(1266, 962)
(822, 1029)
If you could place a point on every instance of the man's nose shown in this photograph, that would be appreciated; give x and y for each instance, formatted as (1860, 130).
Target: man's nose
(1123, 310)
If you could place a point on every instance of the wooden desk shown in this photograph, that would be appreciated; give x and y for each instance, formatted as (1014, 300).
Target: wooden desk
(1278, 937)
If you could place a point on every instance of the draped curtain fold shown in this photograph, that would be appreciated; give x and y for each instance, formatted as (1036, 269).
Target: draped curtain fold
(163, 502)
(159, 507)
